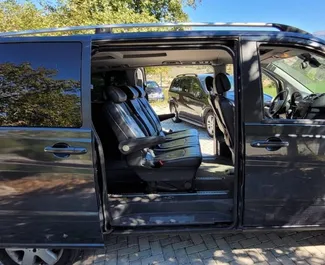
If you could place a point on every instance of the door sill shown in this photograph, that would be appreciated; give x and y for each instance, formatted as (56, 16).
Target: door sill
(192, 122)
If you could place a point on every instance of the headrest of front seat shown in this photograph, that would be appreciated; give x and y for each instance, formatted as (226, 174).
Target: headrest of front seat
(115, 94)
(142, 92)
(222, 83)
(209, 83)
(130, 92)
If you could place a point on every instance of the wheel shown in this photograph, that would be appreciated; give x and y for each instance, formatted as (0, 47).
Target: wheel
(37, 256)
(210, 123)
(173, 110)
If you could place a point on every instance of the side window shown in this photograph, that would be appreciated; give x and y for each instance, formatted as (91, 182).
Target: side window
(270, 87)
(40, 84)
(195, 88)
(176, 86)
(186, 84)
(98, 83)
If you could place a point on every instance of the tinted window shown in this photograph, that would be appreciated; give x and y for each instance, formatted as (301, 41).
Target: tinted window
(195, 88)
(176, 85)
(186, 84)
(40, 84)
(98, 82)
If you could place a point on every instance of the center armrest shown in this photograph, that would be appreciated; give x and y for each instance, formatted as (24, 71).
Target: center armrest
(132, 145)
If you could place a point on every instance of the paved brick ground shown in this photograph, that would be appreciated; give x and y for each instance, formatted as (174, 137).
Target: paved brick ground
(287, 248)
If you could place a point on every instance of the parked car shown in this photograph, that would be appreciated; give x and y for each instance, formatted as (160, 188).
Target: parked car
(188, 100)
(154, 91)
(84, 157)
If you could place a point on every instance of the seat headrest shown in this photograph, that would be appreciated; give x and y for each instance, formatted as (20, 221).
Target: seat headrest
(222, 83)
(209, 83)
(130, 92)
(115, 94)
(142, 92)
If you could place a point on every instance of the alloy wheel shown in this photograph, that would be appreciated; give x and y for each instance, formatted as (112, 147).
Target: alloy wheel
(34, 256)
(210, 124)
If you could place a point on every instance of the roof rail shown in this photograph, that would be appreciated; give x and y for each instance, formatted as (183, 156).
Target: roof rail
(109, 27)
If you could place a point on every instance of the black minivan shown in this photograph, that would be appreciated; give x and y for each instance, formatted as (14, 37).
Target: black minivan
(189, 99)
(84, 157)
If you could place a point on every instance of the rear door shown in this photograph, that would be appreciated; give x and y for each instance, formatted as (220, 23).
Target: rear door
(197, 101)
(284, 184)
(188, 112)
(47, 186)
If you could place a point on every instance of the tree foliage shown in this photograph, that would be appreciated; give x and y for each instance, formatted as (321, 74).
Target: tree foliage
(22, 15)
(163, 70)
(34, 97)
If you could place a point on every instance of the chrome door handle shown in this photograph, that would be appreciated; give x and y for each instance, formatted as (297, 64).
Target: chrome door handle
(66, 150)
(265, 144)
(271, 144)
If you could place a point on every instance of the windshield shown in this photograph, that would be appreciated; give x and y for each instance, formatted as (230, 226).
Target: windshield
(306, 69)
(152, 87)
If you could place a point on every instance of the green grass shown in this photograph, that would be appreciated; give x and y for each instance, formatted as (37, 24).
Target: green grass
(270, 90)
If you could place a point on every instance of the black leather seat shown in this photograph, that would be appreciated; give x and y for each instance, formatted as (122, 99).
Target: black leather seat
(149, 126)
(224, 110)
(169, 135)
(177, 166)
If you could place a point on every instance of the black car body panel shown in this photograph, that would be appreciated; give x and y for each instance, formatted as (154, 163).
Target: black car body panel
(282, 188)
(48, 198)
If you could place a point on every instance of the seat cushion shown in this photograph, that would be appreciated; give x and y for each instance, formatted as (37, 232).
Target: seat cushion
(178, 143)
(182, 134)
(189, 157)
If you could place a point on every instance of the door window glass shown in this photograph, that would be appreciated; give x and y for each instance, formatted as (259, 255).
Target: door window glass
(176, 85)
(195, 88)
(40, 84)
(186, 84)
(269, 87)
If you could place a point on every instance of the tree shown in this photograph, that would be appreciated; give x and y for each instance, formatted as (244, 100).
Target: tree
(34, 97)
(22, 15)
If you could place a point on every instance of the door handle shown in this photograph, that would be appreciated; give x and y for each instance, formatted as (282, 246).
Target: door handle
(66, 150)
(271, 144)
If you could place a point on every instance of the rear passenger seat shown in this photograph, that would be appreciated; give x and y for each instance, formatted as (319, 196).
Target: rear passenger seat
(176, 166)
(149, 127)
(169, 135)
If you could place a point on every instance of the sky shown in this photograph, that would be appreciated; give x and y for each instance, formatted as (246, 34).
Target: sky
(308, 15)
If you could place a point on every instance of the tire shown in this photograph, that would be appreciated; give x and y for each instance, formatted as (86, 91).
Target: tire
(64, 256)
(210, 123)
(173, 109)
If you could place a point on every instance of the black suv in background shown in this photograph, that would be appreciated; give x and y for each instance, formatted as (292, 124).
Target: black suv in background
(188, 100)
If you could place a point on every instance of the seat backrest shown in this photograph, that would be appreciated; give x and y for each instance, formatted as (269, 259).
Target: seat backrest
(225, 109)
(150, 111)
(119, 115)
(139, 110)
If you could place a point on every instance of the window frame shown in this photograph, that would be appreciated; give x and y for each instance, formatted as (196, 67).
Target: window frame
(85, 72)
